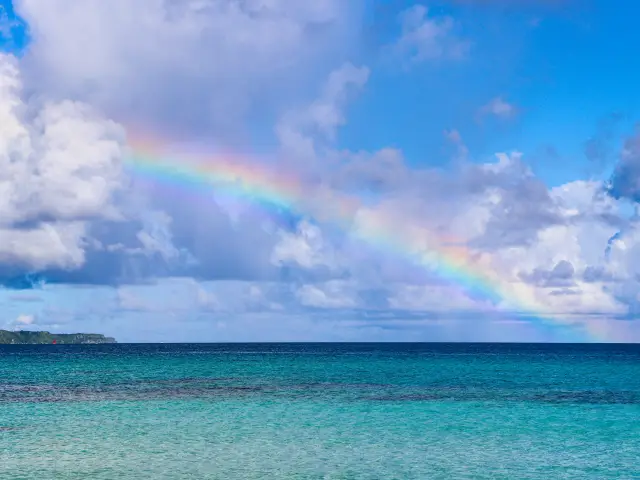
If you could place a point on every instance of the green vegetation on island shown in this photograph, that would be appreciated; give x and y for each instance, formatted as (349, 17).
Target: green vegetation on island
(34, 338)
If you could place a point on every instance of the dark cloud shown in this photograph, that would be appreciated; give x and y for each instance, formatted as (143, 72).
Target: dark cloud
(625, 181)
(524, 209)
(223, 247)
(560, 276)
(220, 252)
(594, 274)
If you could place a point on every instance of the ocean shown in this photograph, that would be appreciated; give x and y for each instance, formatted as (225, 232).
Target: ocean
(320, 411)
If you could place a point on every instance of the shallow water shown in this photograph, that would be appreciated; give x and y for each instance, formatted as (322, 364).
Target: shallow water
(322, 411)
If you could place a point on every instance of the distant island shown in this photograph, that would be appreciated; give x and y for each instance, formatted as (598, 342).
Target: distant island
(23, 337)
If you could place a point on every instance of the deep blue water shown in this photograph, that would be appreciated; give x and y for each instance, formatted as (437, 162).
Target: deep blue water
(344, 411)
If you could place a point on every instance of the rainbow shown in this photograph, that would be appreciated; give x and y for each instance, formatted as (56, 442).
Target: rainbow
(279, 189)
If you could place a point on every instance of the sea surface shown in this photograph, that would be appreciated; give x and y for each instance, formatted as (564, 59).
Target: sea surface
(320, 411)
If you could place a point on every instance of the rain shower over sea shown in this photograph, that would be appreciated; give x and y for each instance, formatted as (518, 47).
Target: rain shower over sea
(320, 411)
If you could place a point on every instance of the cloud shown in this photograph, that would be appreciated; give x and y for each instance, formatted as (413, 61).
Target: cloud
(424, 37)
(544, 243)
(21, 322)
(304, 247)
(383, 244)
(561, 276)
(193, 65)
(299, 130)
(599, 148)
(625, 180)
(330, 295)
(25, 319)
(168, 310)
(264, 52)
(499, 108)
(61, 168)
(507, 219)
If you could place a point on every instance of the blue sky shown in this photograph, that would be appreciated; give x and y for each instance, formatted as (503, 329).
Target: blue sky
(14, 37)
(565, 68)
(508, 127)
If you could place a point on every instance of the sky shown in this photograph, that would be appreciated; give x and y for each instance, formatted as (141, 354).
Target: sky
(277, 170)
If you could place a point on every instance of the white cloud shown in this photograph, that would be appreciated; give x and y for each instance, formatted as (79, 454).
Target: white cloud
(498, 107)
(48, 245)
(299, 129)
(25, 319)
(424, 37)
(156, 237)
(20, 322)
(333, 294)
(191, 62)
(195, 66)
(505, 222)
(367, 273)
(59, 168)
(305, 248)
(508, 226)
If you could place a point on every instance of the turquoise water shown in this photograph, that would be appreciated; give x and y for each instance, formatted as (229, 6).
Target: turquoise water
(320, 412)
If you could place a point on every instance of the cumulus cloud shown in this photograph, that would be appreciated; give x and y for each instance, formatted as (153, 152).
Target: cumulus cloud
(304, 247)
(191, 65)
(506, 219)
(380, 247)
(546, 246)
(61, 167)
